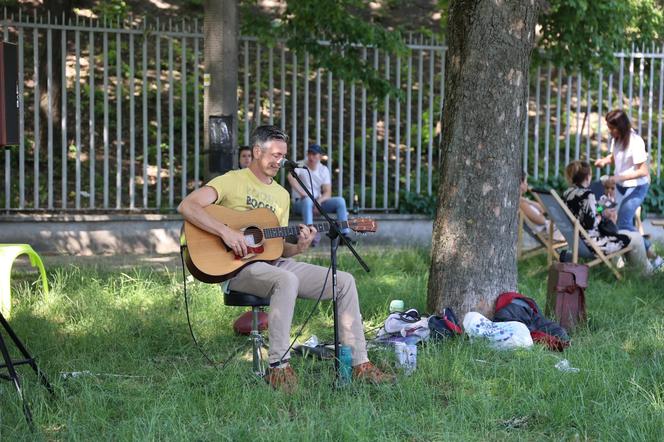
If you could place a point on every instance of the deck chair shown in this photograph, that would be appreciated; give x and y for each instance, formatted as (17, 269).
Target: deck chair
(541, 238)
(571, 229)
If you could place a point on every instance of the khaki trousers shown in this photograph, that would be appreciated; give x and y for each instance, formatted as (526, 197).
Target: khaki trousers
(284, 282)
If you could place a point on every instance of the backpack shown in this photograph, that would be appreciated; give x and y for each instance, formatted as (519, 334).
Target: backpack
(444, 325)
(512, 306)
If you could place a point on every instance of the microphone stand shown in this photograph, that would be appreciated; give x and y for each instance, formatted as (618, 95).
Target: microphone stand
(334, 234)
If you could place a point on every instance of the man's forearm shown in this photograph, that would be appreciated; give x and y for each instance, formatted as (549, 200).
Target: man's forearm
(291, 250)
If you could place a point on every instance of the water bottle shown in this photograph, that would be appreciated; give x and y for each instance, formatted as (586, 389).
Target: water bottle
(411, 359)
(396, 305)
(345, 365)
(406, 355)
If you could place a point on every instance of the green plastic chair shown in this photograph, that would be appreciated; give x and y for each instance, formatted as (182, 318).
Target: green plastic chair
(8, 254)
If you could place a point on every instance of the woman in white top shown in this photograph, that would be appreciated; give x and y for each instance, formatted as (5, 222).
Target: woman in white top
(630, 159)
(631, 174)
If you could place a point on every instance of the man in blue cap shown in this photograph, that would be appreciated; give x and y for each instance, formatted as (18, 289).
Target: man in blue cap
(322, 191)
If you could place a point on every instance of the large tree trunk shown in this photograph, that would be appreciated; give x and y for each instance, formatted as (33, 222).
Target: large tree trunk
(473, 256)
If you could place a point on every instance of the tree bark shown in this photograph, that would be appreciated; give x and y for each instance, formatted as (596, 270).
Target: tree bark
(221, 29)
(473, 257)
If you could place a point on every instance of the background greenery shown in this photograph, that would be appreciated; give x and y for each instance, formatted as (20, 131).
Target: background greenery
(126, 326)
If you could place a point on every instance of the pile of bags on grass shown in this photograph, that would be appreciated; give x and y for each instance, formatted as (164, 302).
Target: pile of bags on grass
(517, 323)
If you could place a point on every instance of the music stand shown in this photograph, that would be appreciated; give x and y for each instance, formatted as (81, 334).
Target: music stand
(11, 364)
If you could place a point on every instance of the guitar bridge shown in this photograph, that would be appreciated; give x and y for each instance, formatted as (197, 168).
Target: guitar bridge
(252, 252)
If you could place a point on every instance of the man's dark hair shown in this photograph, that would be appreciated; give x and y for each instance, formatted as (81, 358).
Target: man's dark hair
(243, 148)
(262, 134)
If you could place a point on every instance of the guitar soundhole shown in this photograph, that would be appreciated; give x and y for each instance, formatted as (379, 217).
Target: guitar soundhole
(253, 236)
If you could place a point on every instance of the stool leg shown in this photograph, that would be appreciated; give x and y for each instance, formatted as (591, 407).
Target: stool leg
(257, 344)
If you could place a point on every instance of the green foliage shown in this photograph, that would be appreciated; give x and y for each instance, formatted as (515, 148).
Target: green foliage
(580, 34)
(556, 183)
(654, 201)
(418, 203)
(112, 10)
(194, 4)
(304, 23)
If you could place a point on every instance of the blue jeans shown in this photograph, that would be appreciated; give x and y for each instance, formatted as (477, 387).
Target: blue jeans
(305, 207)
(632, 198)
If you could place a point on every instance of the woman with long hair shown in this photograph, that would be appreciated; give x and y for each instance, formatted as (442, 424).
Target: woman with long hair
(630, 160)
(631, 175)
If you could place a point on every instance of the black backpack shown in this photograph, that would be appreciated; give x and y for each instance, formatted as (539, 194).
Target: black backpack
(512, 306)
(444, 325)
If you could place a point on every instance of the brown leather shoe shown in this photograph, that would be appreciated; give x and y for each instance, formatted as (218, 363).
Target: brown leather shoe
(368, 372)
(282, 379)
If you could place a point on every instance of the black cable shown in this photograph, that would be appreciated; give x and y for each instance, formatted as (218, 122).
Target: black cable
(191, 330)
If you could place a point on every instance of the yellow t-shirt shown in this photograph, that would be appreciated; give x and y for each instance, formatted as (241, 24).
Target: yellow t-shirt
(242, 190)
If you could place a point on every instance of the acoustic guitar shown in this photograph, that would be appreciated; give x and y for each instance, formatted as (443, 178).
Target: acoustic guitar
(209, 259)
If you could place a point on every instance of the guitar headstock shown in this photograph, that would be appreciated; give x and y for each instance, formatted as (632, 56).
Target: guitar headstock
(363, 225)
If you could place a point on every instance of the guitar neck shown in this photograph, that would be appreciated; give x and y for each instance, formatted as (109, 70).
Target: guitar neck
(282, 232)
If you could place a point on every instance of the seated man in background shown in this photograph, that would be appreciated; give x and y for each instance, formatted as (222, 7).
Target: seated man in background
(320, 185)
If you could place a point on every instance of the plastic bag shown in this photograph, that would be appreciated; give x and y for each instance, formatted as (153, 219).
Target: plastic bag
(501, 335)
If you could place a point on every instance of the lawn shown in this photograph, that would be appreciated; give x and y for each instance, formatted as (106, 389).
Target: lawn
(145, 380)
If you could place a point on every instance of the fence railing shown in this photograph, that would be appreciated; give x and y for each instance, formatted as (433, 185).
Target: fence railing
(126, 133)
(566, 112)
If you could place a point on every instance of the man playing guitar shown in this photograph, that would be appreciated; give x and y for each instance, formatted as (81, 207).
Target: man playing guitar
(285, 279)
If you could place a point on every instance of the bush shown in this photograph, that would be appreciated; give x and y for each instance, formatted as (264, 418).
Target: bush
(421, 203)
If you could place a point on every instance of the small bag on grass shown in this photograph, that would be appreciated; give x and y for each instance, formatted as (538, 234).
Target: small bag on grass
(565, 295)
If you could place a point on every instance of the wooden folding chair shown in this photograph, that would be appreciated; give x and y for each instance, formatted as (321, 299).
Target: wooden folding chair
(571, 229)
(541, 237)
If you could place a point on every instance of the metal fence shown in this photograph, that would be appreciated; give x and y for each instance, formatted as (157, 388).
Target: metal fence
(126, 134)
(566, 112)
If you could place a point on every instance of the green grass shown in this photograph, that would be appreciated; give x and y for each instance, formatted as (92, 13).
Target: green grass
(132, 324)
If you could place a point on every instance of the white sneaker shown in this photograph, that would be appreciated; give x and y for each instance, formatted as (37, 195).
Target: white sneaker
(657, 264)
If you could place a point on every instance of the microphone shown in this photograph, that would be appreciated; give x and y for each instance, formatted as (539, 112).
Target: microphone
(289, 164)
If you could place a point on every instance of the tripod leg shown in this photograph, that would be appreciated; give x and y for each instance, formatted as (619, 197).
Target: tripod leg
(14, 378)
(26, 354)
